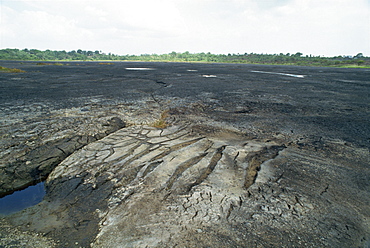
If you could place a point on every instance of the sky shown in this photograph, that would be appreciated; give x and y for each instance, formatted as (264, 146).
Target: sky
(317, 27)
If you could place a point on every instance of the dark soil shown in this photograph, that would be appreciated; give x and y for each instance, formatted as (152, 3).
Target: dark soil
(320, 122)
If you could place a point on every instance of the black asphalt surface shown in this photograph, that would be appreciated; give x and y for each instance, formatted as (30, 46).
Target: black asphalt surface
(319, 101)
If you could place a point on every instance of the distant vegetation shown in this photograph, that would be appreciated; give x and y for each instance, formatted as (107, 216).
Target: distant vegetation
(10, 70)
(248, 58)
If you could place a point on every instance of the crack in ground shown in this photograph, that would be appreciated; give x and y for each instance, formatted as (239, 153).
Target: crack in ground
(256, 159)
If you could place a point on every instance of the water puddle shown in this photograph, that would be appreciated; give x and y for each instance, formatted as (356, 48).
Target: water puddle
(139, 69)
(22, 199)
(278, 73)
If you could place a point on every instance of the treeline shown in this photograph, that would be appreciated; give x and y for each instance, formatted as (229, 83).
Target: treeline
(253, 58)
(34, 54)
(249, 58)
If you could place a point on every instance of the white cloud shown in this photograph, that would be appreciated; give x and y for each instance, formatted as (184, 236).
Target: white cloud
(319, 27)
(38, 28)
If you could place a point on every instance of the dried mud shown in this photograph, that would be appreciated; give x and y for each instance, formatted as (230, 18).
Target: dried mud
(170, 158)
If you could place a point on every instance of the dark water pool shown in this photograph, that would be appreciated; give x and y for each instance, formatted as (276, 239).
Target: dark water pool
(22, 199)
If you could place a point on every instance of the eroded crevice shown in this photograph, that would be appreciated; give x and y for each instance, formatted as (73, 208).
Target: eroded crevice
(256, 159)
(183, 167)
(207, 171)
(175, 148)
(140, 154)
(123, 156)
(150, 167)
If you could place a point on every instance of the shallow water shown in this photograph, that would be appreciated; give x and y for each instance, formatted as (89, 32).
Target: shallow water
(278, 73)
(22, 199)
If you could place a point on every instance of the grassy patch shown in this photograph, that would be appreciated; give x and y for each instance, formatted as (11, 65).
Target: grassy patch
(161, 122)
(10, 70)
(353, 66)
(106, 63)
(42, 63)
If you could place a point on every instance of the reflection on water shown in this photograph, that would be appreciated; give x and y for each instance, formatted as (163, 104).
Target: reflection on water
(284, 74)
(22, 199)
(139, 69)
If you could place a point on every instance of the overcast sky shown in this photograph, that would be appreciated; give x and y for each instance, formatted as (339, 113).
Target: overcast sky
(317, 27)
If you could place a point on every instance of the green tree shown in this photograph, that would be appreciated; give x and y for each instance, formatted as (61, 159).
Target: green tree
(360, 62)
(359, 55)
